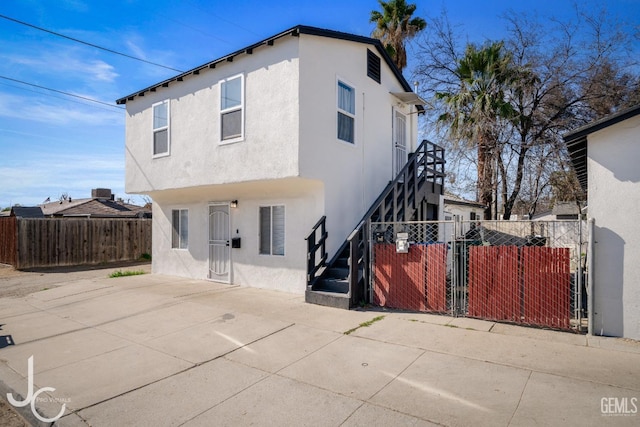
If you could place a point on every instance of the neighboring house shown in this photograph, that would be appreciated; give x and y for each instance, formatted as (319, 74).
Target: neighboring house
(465, 210)
(101, 204)
(26, 212)
(605, 156)
(560, 211)
(244, 154)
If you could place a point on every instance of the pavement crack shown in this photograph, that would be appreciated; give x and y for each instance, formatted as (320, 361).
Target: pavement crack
(520, 399)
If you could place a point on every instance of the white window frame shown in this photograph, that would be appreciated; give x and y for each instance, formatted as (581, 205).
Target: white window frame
(353, 115)
(179, 244)
(241, 107)
(161, 128)
(284, 226)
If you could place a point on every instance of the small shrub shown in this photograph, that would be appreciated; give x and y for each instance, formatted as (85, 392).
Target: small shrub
(145, 256)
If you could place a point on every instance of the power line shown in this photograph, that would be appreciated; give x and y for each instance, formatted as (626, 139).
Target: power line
(64, 93)
(88, 44)
(59, 97)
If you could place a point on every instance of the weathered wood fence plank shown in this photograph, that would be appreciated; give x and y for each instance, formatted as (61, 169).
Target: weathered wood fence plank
(49, 242)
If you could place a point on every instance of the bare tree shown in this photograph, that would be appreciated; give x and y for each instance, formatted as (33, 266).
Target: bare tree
(567, 74)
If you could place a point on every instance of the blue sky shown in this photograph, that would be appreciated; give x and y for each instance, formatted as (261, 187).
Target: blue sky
(52, 144)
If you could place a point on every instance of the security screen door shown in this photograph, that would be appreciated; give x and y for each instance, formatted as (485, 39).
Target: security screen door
(219, 249)
(399, 142)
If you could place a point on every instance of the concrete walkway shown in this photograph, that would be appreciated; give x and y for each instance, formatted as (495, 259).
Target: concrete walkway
(164, 351)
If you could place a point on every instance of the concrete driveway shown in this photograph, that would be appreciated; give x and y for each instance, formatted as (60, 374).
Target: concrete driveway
(157, 350)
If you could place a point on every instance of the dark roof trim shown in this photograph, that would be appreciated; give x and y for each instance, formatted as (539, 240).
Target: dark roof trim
(601, 124)
(295, 31)
(576, 141)
(448, 201)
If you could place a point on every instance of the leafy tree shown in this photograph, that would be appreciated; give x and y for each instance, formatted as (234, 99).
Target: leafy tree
(475, 107)
(394, 26)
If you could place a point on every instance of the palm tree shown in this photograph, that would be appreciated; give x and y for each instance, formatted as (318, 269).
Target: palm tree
(394, 26)
(474, 110)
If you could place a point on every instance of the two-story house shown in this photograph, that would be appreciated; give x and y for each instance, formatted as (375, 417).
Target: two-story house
(244, 154)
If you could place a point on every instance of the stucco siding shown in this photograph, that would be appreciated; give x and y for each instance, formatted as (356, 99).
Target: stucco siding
(354, 174)
(303, 202)
(614, 201)
(270, 146)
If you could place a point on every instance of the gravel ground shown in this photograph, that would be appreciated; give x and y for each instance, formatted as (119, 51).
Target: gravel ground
(17, 284)
(9, 417)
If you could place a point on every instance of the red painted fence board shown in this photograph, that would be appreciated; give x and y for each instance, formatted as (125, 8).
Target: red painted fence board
(547, 286)
(530, 285)
(494, 291)
(436, 285)
(413, 281)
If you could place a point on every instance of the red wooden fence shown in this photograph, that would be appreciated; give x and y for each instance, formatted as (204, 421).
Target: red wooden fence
(413, 281)
(547, 286)
(530, 285)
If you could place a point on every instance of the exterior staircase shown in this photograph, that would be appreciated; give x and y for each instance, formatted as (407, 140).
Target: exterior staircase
(343, 281)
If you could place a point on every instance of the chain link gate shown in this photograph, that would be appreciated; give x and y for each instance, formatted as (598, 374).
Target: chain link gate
(522, 272)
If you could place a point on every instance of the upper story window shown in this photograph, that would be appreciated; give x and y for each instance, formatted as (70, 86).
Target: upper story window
(346, 112)
(373, 66)
(232, 109)
(161, 136)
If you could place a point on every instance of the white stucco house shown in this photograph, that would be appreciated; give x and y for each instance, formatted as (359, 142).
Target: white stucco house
(605, 156)
(244, 154)
(465, 210)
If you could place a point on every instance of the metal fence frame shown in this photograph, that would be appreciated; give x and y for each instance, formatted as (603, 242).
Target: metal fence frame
(573, 236)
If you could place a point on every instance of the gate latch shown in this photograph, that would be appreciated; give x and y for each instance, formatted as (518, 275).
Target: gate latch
(402, 243)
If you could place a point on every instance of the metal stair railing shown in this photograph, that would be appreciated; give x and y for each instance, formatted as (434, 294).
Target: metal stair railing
(424, 171)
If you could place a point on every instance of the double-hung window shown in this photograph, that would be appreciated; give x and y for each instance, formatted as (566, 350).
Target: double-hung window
(180, 223)
(232, 109)
(161, 138)
(346, 112)
(272, 230)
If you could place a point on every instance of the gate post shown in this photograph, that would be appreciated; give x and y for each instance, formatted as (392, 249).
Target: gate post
(591, 226)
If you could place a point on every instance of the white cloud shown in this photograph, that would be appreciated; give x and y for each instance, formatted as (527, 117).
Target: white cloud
(58, 112)
(70, 63)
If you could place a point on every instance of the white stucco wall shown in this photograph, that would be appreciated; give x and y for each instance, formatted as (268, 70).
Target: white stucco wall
(353, 174)
(290, 155)
(270, 146)
(614, 201)
(303, 203)
(463, 211)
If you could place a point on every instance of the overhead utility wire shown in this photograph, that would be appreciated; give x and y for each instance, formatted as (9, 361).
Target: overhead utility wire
(64, 93)
(89, 44)
(59, 97)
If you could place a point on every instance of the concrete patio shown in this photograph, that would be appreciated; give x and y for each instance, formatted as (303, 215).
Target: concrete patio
(158, 350)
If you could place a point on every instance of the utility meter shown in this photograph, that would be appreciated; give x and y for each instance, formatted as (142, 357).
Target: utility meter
(402, 243)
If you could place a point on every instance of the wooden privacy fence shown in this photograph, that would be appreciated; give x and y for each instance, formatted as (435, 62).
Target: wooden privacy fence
(49, 242)
(8, 240)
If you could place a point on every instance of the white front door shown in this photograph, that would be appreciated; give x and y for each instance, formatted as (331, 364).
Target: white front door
(219, 248)
(399, 142)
